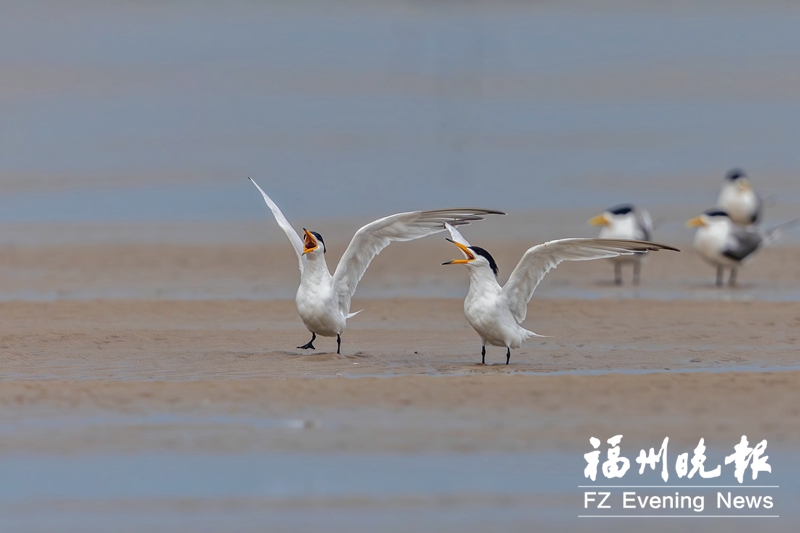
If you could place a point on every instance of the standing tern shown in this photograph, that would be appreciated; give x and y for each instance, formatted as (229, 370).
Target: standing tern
(323, 300)
(496, 312)
(723, 244)
(625, 222)
(737, 198)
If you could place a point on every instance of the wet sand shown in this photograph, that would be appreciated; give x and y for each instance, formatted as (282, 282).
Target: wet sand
(170, 340)
(411, 414)
(238, 358)
(267, 269)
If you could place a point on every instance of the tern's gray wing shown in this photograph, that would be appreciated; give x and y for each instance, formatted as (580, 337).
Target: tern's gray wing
(539, 260)
(375, 236)
(294, 238)
(742, 243)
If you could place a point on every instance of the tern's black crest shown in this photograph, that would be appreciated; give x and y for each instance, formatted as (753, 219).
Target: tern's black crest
(320, 239)
(483, 253)
(623, 209)
(716, 213)
(735, 174)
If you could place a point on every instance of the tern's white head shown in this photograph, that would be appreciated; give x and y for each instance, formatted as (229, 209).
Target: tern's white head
(617, 222)
(313, 243)
(712, 218)
(737, 180)
(474, 257)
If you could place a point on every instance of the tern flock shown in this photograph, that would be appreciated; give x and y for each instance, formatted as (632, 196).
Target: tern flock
(726, 237)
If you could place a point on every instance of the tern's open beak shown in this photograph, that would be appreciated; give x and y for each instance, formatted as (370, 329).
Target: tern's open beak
(695, 222)
(599, 220)
(309, 243)
(470, 257)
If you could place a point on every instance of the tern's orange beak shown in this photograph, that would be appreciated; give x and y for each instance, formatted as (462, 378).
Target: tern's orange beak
(599, 220)
(695, 222)
(470, 257)
(309, 243)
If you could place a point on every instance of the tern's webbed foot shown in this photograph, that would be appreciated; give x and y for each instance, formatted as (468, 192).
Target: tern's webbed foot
(310, 344)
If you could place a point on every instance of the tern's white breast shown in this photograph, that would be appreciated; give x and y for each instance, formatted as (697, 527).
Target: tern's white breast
(319, 310)
(488, 313)
(710, 242)
(318, 306)
(741, 205)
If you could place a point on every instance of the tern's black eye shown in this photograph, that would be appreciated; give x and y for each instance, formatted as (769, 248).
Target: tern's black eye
(320, 239)
(486, 255)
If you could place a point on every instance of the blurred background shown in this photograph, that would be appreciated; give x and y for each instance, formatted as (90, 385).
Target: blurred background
(138, 123)
(158, 111)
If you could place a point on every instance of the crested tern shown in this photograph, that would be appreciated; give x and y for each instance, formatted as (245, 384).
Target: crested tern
(723, 244)
(323, 300)
(496, 312)
(625, 222)
(737, 198)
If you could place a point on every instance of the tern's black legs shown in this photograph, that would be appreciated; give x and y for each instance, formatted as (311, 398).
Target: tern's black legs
(310, 344)
(617, 273)
(720, 276)
(338, 343)
(637, 272)
(732, 279)
(483, 354)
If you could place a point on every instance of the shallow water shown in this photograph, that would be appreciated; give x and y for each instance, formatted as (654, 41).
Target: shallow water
(111, 113)
(338, 492)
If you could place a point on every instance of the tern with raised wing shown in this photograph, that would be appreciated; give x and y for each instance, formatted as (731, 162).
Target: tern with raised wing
(496, 312)
(323, 300)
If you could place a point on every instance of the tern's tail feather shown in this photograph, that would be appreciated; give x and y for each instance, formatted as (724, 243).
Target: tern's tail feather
(351, 315)
(532, 334)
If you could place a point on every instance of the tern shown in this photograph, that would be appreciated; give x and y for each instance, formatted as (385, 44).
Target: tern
(323, 300)
(723, 244)
(737, 198)
(625, 222)
(496, 312)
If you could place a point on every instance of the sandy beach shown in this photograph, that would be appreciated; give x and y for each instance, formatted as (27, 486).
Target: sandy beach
(127, 357)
